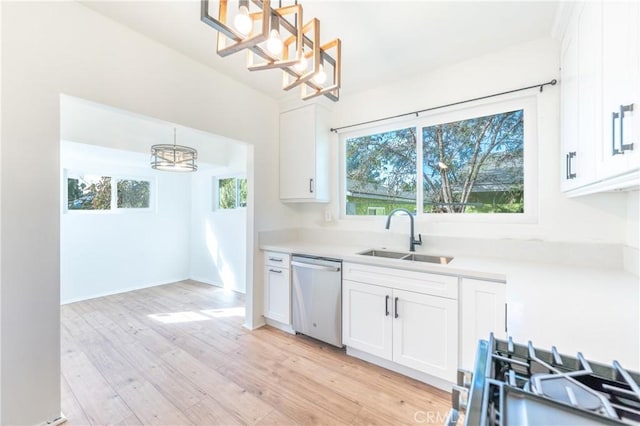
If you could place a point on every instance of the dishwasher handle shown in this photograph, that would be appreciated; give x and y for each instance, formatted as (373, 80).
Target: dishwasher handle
(316, 267)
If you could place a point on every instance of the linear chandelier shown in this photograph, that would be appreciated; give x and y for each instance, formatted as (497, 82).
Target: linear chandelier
(173, 158)
(278, 38)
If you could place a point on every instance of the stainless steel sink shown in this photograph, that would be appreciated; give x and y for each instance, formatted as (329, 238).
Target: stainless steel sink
(443, 260)
(383, 253)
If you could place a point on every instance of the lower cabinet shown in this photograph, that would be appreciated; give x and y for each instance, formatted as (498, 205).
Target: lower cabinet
(416, 330)
(483, 310)
(277, 287)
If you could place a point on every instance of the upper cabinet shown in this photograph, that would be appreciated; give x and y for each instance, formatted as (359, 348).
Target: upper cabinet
(304, 155)
(600, 97)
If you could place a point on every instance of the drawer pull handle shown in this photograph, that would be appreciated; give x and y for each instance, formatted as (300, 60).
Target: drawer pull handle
(275, 259)
(396, 308)
(276, 271)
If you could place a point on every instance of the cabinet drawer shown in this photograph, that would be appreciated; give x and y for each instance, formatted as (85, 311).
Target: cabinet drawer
(272, 258)
(419, 282)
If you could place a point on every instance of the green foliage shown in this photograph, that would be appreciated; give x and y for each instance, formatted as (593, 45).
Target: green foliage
(383, 165)
(227, 193)
(242, 193)
(471, 166)
(232, 193)
(133, 194)
(463, 158)
(89, 195)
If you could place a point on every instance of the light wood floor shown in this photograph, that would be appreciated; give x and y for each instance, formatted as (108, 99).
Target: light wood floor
(178, 355)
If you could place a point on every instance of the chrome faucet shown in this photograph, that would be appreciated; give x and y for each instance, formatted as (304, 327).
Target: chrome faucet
(412, 241)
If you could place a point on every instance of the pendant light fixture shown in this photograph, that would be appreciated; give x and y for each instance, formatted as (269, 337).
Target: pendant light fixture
(173, 158)
(277, 38)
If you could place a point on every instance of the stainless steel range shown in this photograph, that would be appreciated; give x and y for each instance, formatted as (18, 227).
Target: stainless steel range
(515, 384)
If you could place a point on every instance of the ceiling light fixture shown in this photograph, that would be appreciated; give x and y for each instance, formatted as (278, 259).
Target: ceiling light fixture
(173, 158)
(279, 37)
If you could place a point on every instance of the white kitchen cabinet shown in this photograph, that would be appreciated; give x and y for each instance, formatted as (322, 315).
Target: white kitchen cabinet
(620, 151)
(304, 155)
(390, 314)
(425, 333)
(600, 80)
(366, 318)
(580, 93)
(482, 311)
(277, 288)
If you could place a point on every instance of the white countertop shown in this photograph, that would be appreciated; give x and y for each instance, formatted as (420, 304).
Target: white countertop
(576, 308)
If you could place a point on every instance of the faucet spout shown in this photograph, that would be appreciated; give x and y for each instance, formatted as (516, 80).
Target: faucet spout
(412, 240)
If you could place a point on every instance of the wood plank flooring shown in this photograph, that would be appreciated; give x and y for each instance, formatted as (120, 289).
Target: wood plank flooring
(178, 355)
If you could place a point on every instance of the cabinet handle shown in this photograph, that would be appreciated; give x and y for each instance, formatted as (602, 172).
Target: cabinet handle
(566, 166)
(386, 305)
(275, 271)
(614, 150)
(570, 156)
(505, 317)
(275, 259)
(311, 185)
(623, 147)
(396, 307)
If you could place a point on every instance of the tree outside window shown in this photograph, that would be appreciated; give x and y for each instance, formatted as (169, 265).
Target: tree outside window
(95, 192)
(381, 172)
(474, 165)
(232, 193)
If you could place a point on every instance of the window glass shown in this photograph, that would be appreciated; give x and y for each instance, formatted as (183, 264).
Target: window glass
(133, 194)
(474, 165)
(227, 193)
(89, 192)
(242, 192)
(381, 172)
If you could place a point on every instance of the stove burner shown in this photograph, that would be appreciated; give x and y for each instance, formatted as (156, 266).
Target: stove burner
(564, 389)
(519, 384)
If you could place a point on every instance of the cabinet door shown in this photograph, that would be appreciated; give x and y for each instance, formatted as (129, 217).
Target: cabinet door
(277, 294)
(425, 333)
(483, 311)
(569, 104)
(620, 87)
(297, 154)
(366, 318)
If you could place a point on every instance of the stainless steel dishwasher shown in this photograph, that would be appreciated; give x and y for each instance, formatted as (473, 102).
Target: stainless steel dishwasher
(317, 298)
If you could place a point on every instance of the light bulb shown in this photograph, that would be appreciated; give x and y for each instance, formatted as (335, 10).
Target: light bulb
(302, 64)
(242, 21)
(274, 44)
(320, 76)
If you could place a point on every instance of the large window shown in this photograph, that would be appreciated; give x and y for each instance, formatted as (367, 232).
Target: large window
(90, 192)
(470, 161)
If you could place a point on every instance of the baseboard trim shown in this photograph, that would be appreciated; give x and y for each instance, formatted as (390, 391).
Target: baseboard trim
(410, 372)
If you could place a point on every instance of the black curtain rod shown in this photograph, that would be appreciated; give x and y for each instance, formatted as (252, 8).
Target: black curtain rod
(541, 86)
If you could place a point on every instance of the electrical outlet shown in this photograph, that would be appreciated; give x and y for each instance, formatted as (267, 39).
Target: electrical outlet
(327, 215)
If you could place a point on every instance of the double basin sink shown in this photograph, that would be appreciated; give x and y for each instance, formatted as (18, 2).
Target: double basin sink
(443, 260)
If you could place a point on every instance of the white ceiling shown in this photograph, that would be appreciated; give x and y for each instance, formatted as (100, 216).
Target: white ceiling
(382, 41)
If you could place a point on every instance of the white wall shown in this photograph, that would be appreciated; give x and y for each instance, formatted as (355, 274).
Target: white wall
(596, 218)
(109, 252)
(219, 237)
(54, 48)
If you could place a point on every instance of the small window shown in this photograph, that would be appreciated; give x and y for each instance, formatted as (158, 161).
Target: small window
(232, 193)
(93, 192)
(134, 194)
(89, 192)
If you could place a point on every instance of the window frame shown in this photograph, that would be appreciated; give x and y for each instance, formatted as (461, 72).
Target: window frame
(115, 178)
(215, 191)
(530, 161)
